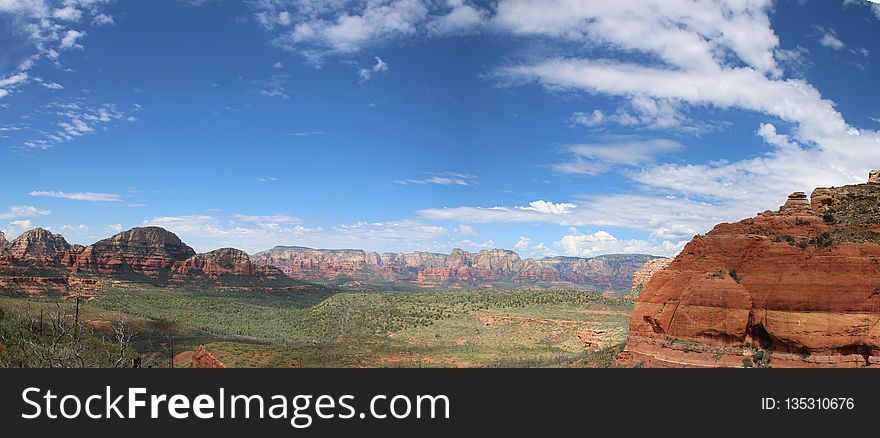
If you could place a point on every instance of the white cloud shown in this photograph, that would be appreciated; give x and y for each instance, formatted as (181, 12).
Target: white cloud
(379, 67)
(701, 67)
(314, 29)
(548, 207)
(79, 196)
(20, 211)
(113, 228)
(206, 233)
(275, 86)
(15, 228)
(69, 40)
(601, 242)
(74, 119)
(67, 13)
(828, 38)
(595, 158)
(103, 20)
(461, 18)
(12, 81)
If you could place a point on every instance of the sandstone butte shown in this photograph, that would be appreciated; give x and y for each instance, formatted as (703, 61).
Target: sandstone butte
(40, 263)
(488, 268)
(801, 284)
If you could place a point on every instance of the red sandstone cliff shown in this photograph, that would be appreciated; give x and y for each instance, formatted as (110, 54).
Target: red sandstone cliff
(801, 283)
(643, 275)
(228, 267)
(147, 252)
(487, 268)
(41, 263)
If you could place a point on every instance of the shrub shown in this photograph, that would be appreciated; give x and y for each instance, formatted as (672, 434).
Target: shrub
(828, 217)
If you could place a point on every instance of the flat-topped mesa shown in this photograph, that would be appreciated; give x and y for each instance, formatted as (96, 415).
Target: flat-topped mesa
(801, 284)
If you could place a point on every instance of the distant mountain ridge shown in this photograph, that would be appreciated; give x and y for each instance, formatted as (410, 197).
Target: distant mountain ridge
(496, 268)
(40, 262)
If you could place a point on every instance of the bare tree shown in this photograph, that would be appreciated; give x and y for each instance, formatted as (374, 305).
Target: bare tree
(122, 335)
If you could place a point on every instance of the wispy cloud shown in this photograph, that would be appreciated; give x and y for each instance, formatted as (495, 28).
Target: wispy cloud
(275, 86)
(21, 211)
(595, 158)
(379, 67)
(317, 29)
(443, 179)
(306, 133)
(69, 120)
(79, 196)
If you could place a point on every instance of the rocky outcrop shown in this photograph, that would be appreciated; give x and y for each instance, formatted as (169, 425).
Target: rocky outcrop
(3, 244)
(643, 275)
(228, 267)
(358, 269)
(42, 263)
(136, 254)
(198, 358)
(38, 244)
(800, 285)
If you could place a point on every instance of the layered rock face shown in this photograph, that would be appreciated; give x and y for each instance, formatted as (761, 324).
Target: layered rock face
(643, 275)
(150, 252)
(38, 244)
(42, 263)
(801, 283)
(228, 267)
(487, 268)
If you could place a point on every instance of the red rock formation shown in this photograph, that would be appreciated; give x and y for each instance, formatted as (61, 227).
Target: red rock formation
(148, 252)
(802, 283)
(651, 267)
(204, 359)
(38, 244)
(486, 268)
(228, 267)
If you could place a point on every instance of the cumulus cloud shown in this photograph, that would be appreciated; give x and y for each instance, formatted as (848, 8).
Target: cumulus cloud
(601, 242)
(712, 56)
(15, 228)
(79, 196)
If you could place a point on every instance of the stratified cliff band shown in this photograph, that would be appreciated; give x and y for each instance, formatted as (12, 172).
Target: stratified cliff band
(795, 287)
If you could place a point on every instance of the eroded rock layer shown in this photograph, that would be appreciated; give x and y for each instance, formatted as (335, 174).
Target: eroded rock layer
(41, 263)
(488, 268)
(801, 284)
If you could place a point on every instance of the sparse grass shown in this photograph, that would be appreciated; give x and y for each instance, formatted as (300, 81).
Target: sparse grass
(388, 329)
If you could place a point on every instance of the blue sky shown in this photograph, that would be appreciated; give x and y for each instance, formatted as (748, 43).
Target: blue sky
(550, 127)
